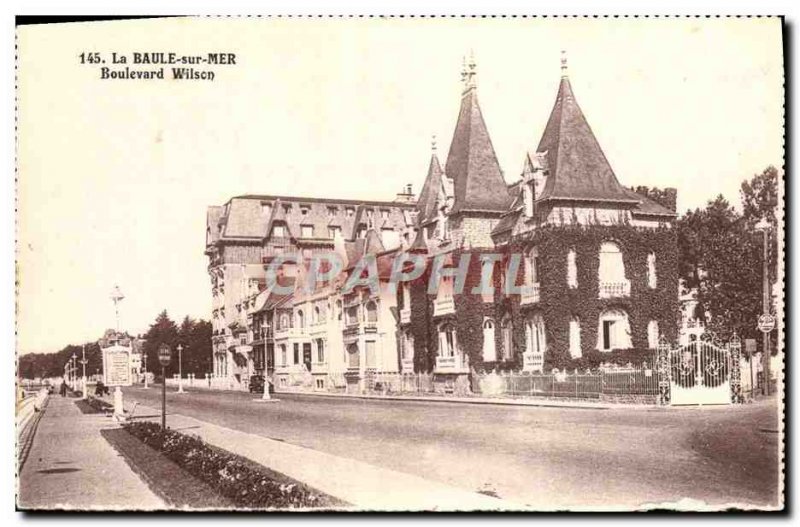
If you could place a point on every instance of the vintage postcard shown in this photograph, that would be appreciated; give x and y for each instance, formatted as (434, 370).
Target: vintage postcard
(400, 264)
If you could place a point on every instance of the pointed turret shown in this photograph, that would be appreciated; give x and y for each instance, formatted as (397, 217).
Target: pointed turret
(426, 205)
(578, 168)
(471, 162)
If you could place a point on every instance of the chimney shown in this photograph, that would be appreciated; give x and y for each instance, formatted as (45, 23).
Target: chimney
(406, 195)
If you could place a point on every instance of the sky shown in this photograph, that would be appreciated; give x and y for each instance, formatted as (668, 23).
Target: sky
(114, 177)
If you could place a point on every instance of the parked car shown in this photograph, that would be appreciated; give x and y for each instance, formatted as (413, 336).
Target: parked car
(257, 384)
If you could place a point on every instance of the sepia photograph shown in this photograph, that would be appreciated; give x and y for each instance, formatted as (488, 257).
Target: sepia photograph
(400, 264)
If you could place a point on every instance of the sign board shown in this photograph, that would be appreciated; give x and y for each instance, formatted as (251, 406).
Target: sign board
(750, 346)
(766, 323)
(164, 354)
(117, 366)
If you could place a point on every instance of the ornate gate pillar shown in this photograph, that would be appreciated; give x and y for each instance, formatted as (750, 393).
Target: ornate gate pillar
(735, 350)
(663, 368)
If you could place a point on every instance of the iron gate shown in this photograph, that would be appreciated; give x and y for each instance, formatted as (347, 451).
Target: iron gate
(700, 372)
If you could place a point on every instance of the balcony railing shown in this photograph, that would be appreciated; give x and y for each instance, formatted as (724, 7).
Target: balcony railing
(444, 306)
(529, 294)
(370, 326)
(614, 289)
(407, 365)
(533, 361)
(405, 316)
(457, 363)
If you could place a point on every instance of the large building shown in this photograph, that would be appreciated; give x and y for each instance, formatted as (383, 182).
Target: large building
(581, 268)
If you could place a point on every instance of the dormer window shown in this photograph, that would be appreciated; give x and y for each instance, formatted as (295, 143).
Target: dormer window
(287, 209)
(307, 231)
(266, 208)
(350, 211)
(304, 210)
(332, 211)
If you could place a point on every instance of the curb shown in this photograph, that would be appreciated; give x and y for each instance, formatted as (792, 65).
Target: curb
(461, 400)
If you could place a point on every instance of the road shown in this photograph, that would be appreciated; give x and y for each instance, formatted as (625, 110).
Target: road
(543, 457)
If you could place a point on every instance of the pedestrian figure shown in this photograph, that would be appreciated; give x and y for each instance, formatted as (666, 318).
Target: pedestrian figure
(63, 389)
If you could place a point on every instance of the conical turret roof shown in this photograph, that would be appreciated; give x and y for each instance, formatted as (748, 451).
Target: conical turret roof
(426, 204)
(578, 168)
(472, 163)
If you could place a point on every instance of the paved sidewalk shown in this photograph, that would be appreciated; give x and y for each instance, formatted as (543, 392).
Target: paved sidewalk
(365, 486)
(71, 466)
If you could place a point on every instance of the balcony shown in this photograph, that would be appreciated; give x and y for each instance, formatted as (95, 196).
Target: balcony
(529, 294)
(319, 367)
(405, 316)
(407, 365)
(614, 289)
(444, 306)
(370, 326)
(533, 361)
(457, 363)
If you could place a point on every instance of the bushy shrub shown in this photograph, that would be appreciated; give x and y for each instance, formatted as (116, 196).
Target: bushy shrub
(228, 474)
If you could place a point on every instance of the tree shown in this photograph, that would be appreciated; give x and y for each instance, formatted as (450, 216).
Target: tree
(720, 257)
(162, 331)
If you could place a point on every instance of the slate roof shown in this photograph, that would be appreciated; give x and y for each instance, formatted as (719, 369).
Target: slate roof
(426, 204)
(472, 163)
(213, 215)
(578, 168)
(251, 217)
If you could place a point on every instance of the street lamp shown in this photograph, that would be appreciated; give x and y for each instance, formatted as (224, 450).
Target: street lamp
(74, 367)
(180, 369)
(144, 356)
(265, 396)
(764, 227)
(83, 363)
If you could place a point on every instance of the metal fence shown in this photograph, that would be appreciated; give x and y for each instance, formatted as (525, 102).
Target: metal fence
(628, 381)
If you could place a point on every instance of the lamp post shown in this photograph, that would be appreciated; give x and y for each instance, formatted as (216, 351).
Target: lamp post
(74, 367)
(265, 396)
(83, 381)
(144, 356)
(764, 227)
(180, 368)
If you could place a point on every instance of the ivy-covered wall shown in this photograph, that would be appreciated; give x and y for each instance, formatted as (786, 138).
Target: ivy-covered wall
(558, 303)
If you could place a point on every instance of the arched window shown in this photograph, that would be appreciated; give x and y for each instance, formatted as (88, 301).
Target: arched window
(301, 319)
(507, 329)
(572, 269)
(535, 343)
(372, 312)
(353, 359)
(284, 321)
(447, 340)
(611, 272)
(575, 338)
(339, 309)
(407, 346)
(652, 334)
(489, 351)
(652, 281)
(532, 266)
(613, 331)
